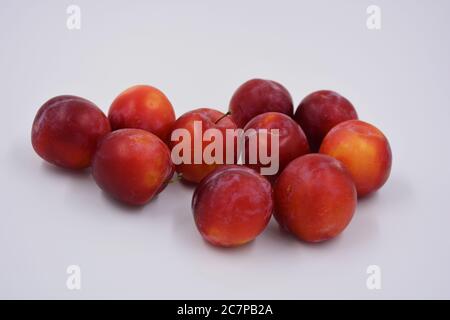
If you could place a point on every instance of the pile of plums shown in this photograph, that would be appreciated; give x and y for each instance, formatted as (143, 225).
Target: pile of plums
(327, 157)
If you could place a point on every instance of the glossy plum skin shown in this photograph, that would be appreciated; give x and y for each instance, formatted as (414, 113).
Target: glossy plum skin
(66, 131)
(365, 152)
(208, 117)
(315, 198)
(143, 107)
(319, 112)
(232, 206)
(132, 165)
(292, 140)
(258, 96)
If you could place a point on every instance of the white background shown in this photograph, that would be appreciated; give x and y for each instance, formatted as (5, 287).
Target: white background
(198, 53)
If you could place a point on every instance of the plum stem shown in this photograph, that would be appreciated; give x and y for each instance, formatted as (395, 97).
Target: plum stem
(178, 177)
(225, 115)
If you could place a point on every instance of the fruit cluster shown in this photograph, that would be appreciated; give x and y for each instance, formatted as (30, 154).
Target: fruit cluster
(327, 157)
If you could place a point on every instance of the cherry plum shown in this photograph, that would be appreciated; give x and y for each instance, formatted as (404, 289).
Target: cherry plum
(292, 142)
(143, 107)
(132, 165)
(364, 150)
(232, 205)
(258, 96)
(320, 111)
(208, 119)
(66, 131)
(315, 198)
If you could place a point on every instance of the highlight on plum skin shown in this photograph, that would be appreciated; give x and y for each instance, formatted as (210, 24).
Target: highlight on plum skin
(258, 96)
(66, 130)
(132, 165)
(319, 112)
(143, 107)
(292, 140)
(364, 150)
(209, 118)
(315, 198)
(232, 206)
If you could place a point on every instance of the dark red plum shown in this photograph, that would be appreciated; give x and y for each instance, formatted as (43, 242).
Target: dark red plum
(292, 142)
(258, 96)
(319, 112)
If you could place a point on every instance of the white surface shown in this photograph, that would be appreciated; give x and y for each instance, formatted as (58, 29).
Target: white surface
(198, 52)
